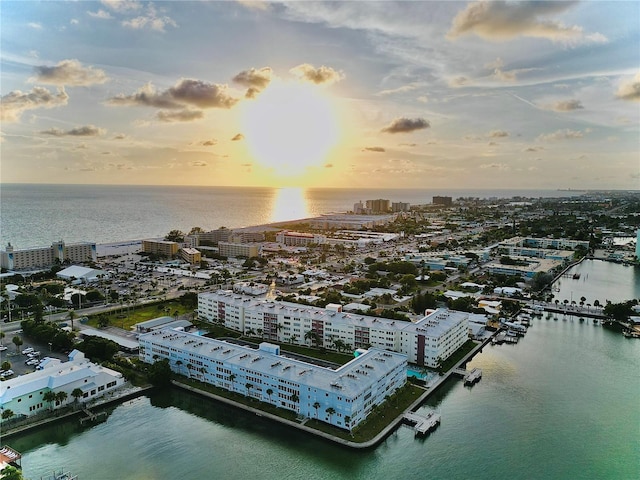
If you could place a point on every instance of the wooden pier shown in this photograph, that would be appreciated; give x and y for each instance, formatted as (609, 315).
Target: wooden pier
(92, 417)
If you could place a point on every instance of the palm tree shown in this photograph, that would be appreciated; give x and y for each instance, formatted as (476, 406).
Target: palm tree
(248, 386)
(596, 303)
(49, 396)
(316, 405)
(347, 422)
(269, 393)
(61, 397)
(189, 367)
(76, 394)
(295, 398)
(330, 411)
(71, 315)
(7, 414)
(232, 379)
(17, 341)
(179, 365)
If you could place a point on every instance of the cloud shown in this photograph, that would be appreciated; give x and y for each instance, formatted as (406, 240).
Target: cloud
(35, 25)
(320, 75)
(101, 14)
(402, 89)
(237, 137)
(565, 134)
(187, 92)
(258, 78)
(374, 149)
(120, 136)
(329, 165)
(198, 164)
(423, 99)
(408, 144)
(185, 115)
(533, 149)
(209, 143)
(151, 20)
(498, 134)
(122, 5)
(13, 104)
(630, 89)
(565, 105)
(74, 21)
(70, 73)
(500, 21)
(497, 166)
(254, 4)
(404, 125)
(84, 131)
(460, 81)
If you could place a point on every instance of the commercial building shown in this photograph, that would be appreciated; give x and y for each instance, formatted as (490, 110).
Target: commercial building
(342, 397)
(228, 249)
(296, 239)
(426, 342)
(45, 257)
(162, 248)
(379, 205)
(190, 255)
(24, 395)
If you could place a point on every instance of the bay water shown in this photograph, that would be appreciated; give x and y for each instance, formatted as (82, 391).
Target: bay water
(561, 404)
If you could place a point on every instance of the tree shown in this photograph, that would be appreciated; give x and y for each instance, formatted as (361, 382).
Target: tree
(5, 365)
(295, 398)
(347, 422)
(17, 341)
(61, 397)
(160, 373)
(11, 473)
(175, 236)
(49, 396)
(189, 368)
(7, 414)
(76, 394)
(330, 411)
(316, 405)
(71, 316)
(269, 393)
(232, 379)
(248, 386)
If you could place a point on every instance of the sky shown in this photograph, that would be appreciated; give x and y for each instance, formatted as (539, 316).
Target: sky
(496, 95)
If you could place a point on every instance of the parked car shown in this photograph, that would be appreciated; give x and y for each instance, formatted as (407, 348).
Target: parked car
(3, 348)
(32, 361)
(33, 354)
(28, 350)
(6, 374)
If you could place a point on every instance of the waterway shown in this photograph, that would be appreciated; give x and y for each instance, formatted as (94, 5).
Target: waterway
(560, 404)
(599, 280)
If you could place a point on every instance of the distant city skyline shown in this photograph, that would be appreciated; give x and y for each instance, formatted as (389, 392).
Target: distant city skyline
(362, 94)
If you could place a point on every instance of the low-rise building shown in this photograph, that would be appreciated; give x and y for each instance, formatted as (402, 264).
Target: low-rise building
(342, 397)
(426, 342)
(191, 255)
(287, 237)
(25, 395)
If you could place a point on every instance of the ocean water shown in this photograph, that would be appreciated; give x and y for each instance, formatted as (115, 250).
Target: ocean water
(36, 215)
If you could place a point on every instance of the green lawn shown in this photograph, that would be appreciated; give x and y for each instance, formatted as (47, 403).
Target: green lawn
(125, 318)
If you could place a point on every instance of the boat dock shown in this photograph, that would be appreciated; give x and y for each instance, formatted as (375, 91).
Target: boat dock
(502, 337)
(9, 456)
(61, 475)
(473, 376)
(92, 417)
(420, 423)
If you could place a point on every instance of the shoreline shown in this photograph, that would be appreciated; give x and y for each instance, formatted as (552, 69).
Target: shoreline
(135, 392)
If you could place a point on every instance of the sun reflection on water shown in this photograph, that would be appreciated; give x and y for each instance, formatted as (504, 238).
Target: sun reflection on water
(289, 203)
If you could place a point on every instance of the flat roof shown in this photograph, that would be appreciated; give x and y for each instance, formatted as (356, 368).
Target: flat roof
(350, 379)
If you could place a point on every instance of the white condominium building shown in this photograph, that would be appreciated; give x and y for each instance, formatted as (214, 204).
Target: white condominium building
(428, 341)
(342, 397)
(297, 239)
(44, 257)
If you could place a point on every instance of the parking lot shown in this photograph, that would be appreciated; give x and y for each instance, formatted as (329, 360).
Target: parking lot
(18, 359)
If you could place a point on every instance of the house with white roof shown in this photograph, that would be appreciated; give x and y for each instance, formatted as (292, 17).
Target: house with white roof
(24, 395)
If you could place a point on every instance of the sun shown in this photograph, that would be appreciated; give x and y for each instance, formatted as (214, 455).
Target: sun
(290, 127)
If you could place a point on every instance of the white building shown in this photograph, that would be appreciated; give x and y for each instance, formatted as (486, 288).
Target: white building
(44, 257)
(342, 397)
(297, 239)
(426, 342)
(23, 395)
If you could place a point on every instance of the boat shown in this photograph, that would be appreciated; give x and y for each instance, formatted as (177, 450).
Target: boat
(631, 334)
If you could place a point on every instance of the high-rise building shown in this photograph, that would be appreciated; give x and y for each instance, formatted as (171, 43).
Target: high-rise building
(444, 201)
(378, 206)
